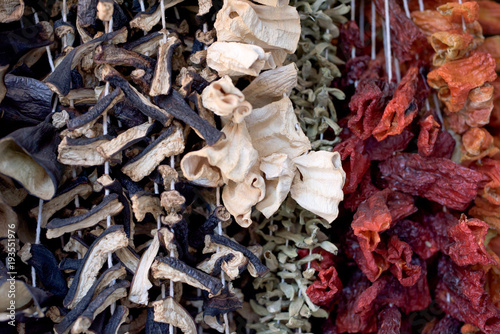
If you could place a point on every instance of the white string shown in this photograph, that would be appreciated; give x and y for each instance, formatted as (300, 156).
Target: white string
(353, 18)
(421, 5)
(219, 232)
(362, 21)
(40, 201)
(397, 70)
(407, 10)
(141, 3)
(47, 48)
(163, 22)
(388, 40)
(65, 19)
(374, 32)
(463, 21)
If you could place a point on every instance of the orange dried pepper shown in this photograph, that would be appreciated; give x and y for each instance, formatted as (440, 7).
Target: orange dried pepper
(457, 78)
(469, 11)
(477, 143)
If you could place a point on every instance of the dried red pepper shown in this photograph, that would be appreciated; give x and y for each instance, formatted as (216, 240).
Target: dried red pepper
(367, 106)
(324, 290)
(389, 321)
(429, 131)
(355, 162)
(440, 180)
(468, 242)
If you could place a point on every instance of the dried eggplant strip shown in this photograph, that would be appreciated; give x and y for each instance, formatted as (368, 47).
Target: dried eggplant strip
(110, 206)
(102, 106)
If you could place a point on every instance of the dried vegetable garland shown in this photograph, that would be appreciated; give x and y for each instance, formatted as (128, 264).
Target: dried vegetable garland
(203, 151)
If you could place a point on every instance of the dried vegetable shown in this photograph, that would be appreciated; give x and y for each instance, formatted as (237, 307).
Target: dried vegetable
(418, 242)
(120, 122)
(357, 157)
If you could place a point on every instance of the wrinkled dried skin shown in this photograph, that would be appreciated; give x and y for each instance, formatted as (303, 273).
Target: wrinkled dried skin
(225, 100)
(479, 106)
(61, 201)
(487, 212)
(468, 242)
(11, 10)
(477, 143)
(401, 110)
(146, 203)
(317, 186)
(236, 59)
(429, 131)
(274, 129)
(451, 45)
(279, 172)
(457, 78)
(431, 21)
(172, 145)
(270, 85)
(231, 158)
(437, 179)
(169, 311)
(455, 12)
(124, 139)
(267, 27)
(491, 190)
(240, 197)
(140, 283)
(94, 261)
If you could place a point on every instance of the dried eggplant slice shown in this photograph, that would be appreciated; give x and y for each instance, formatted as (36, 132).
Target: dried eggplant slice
(112, 239)
(212, 241)
(171, 312)
(82, 151)
(140, 283)
(162, 80)
(110, 206)
(129, 258)
(116, 320)
(103, 105)
(176, 106)
(59, 81)
(17, 42)
(115, 272)
(147, 20)
(30, 97)
(178, 271)
(124, 140)
(170, 142)
(79, 187)
(29, 157)
(47, 270)
(104, 299)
